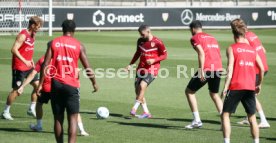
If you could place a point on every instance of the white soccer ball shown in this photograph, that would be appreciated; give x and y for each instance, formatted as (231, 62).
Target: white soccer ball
(102, 113)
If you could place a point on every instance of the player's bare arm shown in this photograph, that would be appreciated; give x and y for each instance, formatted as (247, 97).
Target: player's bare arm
(17, 44)
(27, 81)
(261, 67)
(47, 60)
(201, 60)
(230, 67)
(89, 71)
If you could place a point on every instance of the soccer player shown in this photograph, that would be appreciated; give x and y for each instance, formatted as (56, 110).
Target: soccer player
(22, 65)
(209, 70)
(65, 51)
(44, 97)
(151, 52)
(255, 42)
(240, 81)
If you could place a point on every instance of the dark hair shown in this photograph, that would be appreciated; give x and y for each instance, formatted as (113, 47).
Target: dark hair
(195, 24)
(143, 27)
(68, 26)
(238, 28)
(35, 20)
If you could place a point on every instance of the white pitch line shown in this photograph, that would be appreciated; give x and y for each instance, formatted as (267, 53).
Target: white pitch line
(8, 122)
(16, 103)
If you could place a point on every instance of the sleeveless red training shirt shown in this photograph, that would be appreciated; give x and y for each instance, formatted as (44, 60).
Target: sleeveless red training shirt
(46, 86)
(26, 50)
(211, 50)
(66, 52)
(244, 74)
(255, 42)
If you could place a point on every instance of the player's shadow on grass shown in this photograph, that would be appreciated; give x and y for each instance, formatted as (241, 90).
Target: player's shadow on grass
(149, 125)
(270, 139)
(21, 130)
(242, 117)
(190, 120)
(87, 112)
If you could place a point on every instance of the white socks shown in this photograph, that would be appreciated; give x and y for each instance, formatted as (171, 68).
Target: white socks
(7, 109)
(39, 122)
(262, 117)
(32, 106)
(136, 105)
(256, 141)
(145, 107)
(196, 116)
(226, 140)
(80, 125)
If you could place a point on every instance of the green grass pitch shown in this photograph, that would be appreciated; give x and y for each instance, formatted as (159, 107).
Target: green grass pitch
(165, 97)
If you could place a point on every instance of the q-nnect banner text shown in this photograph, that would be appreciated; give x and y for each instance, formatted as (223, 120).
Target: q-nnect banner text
(126, 18)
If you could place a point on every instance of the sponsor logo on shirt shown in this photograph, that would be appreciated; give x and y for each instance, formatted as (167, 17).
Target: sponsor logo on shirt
(64, 58)
(246, 63)
(241, 50)
(58, 44)
(212, 46)
(29, 49)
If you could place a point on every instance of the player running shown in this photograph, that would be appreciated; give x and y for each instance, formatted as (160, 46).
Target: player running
(22, 65)
(65, 51)
(255, 42)
(151, 52)
(209, 70)
(44, 97)
(240, 81)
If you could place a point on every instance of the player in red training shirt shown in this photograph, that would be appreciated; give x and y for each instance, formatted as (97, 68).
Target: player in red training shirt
(45, 96)
(255, 42)
(151, 52)
(209, 71)
(65, 51)
(22, 65)
(240, 81)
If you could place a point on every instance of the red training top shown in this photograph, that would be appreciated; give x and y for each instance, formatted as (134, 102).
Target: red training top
(46, 86)
(244, 74)
(211, 50)
(255, 42)
(26, 50)
(153, 49)
(66, 52)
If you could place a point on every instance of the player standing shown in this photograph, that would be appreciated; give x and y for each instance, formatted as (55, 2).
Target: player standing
(65, 51)
(22, 65)
(240, 81)
(151, 52)
(256, 43)
(209, 71)
(44, 97)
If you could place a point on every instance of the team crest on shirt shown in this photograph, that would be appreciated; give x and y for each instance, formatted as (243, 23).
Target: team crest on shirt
(152, 44)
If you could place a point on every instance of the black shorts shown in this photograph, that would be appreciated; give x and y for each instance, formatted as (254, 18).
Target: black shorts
(44, 97)
(19, 76)
(148, 78)
(64, 97)
(212, 78)
(258, 76)
(247, 98)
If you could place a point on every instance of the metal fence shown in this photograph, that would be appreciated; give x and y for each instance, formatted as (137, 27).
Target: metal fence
(149, 3)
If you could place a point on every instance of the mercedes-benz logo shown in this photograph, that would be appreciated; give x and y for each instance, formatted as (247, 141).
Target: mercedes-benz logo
(187, 17)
